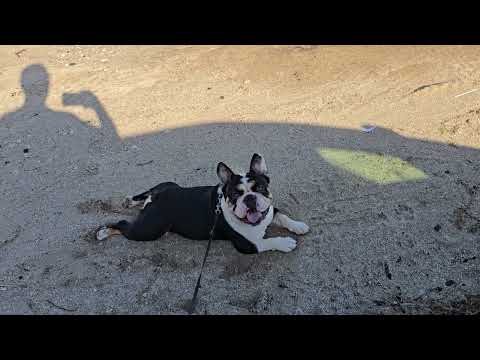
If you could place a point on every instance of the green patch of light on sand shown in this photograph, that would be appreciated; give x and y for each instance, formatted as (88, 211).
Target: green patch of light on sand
(382, 169)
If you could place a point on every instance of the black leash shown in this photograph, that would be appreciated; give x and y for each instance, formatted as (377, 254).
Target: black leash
(194, 299)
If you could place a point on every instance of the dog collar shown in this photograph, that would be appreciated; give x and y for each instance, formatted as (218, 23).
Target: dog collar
(218, 208)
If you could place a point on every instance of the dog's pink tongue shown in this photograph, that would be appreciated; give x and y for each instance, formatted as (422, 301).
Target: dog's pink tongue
(253, 217)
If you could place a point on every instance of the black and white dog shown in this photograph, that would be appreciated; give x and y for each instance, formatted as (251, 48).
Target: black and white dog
(246, 211)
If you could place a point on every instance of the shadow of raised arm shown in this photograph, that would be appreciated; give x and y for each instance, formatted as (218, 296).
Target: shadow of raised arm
(89, 100)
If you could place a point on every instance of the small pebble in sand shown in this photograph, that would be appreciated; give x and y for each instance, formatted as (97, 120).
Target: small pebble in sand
(449, 282)
(387, 271)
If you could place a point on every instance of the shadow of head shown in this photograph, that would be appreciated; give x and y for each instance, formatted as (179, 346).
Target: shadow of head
(35, 83)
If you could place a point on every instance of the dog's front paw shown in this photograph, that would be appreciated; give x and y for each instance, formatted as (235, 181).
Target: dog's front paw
(298, 227)
(284, 244)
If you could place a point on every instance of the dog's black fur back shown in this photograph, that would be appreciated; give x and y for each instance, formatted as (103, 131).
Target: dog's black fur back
(153, 192)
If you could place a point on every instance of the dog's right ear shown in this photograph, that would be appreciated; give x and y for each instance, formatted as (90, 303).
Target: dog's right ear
(224, 173)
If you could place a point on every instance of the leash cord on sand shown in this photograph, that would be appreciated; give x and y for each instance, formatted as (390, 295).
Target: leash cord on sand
(197, 286)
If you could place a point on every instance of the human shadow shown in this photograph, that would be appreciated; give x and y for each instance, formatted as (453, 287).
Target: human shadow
(366, 196)
(43, 151)
(57, 136)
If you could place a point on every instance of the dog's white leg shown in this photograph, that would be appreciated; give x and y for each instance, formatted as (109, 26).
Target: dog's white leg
(284, 244)
(130, 203)
(296, 227)
(148, 200)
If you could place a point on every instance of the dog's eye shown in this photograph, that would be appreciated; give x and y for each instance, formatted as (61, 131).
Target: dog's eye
(237, 193)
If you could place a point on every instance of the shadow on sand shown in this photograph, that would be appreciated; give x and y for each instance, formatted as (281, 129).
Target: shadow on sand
(378, 203)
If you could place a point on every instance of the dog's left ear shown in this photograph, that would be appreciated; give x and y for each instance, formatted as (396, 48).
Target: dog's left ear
(257, 165)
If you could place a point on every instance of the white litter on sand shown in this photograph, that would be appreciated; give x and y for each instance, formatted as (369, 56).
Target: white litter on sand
(368, 128)
(465, 93)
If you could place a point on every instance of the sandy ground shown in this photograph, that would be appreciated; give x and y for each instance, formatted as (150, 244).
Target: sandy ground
(394, 213)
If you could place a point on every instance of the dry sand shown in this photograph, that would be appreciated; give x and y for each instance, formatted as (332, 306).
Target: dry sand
(394, 213)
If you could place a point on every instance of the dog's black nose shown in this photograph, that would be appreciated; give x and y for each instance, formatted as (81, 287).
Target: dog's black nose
(251, 202)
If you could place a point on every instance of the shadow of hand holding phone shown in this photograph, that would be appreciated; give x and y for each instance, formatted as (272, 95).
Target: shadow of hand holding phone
(107, 133)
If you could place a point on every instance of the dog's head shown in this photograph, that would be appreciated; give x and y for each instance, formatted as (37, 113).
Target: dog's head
(247, 197)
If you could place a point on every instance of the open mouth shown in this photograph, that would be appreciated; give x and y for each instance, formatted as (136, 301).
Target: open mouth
(254, 217)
